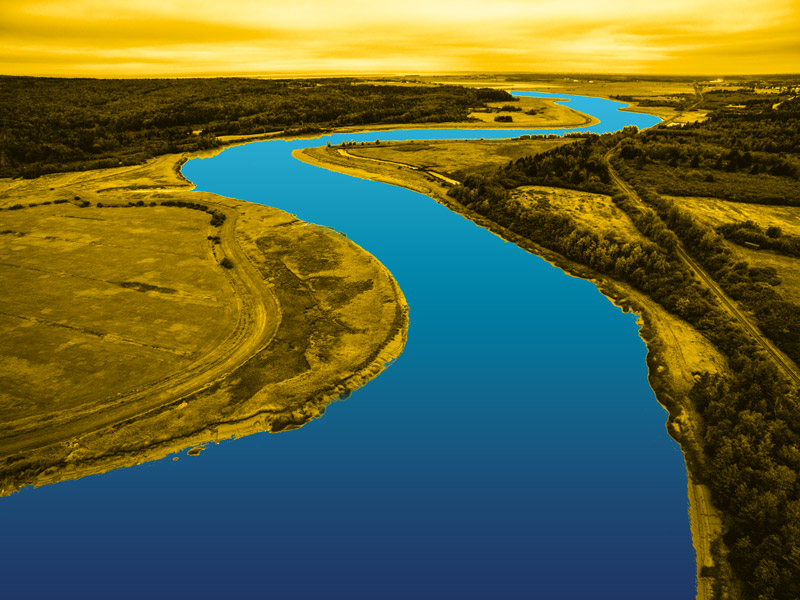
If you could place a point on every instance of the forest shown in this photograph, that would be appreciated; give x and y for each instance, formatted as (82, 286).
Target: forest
(49, 125)
(749, 452)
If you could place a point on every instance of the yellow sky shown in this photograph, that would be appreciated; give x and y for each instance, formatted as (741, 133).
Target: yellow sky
(183, 37)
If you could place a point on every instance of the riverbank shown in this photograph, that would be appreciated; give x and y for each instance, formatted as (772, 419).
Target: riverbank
(675, 350)
(170, 349)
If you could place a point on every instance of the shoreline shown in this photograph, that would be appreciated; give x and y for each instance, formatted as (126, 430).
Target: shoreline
(231, 430)
(704, 520)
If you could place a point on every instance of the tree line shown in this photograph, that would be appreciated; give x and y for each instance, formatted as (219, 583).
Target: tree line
(50, 125)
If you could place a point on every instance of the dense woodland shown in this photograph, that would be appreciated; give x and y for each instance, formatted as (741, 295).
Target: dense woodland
(749, 450)
(49, 125)
(747, 152)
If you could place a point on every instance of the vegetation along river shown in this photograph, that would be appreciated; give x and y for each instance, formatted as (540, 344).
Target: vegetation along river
(514, 450)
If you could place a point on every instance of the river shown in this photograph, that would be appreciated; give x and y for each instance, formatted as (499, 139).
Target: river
(514, 450)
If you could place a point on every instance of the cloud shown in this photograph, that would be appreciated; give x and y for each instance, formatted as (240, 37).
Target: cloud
(126, 31)
(85, 37)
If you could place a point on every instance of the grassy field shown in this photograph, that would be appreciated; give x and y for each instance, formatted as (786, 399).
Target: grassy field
(665, 113)
(714, 212)
(125, 338)
(456, 158)
(787, 268)
(93, 295)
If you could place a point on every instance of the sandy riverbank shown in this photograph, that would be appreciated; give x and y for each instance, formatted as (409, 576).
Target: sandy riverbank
(675, 350)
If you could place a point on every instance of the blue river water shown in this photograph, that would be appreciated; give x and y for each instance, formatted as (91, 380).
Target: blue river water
(514, 450)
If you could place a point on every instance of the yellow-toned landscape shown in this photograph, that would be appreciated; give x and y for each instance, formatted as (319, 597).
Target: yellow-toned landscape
(127, 338)
(678, 353)
(553, 246)
(144, 318)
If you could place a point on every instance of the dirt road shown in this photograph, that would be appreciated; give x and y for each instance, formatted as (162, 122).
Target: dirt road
(783, 363)
(444, 178)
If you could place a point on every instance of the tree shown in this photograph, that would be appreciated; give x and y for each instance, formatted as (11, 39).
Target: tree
(774, 231)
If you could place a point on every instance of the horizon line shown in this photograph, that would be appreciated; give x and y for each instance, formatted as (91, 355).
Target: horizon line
(402, 74)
